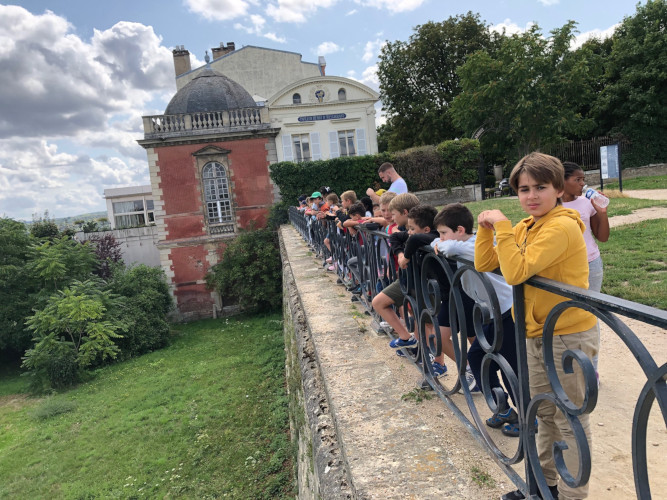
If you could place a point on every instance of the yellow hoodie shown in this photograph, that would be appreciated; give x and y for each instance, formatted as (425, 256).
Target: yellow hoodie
(553, 247)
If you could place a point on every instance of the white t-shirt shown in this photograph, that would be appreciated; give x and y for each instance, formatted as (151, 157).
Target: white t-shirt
(471, 284)
(586, 210)
(398, 186)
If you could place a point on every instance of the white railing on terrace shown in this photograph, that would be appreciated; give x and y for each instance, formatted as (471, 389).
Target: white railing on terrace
(205, 122)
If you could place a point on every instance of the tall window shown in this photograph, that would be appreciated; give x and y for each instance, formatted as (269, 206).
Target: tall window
(342, 96)
(296, 99)
(346, 142)
(301, 144)
(216, 194)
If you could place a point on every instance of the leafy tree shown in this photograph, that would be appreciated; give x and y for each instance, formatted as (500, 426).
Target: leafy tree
(418, 79)
(90, 226)
(250, 271)
(75, 330)
(44, 227)
(60, 261)
(108, 253)
(16, 286)
(148, 303)
(634, 99)
(527, 95)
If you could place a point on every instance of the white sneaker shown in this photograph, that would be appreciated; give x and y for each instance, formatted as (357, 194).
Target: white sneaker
(470, 380)
(385, 326)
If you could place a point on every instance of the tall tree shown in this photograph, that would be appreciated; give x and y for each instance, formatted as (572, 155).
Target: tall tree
(634, 99)
(528, 95)
(418, 79)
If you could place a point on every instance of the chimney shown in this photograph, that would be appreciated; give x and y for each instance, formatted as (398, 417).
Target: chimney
(322, 64)
(218, 52)
(181, 60)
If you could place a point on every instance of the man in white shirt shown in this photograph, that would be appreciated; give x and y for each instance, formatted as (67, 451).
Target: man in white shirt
(388, 174)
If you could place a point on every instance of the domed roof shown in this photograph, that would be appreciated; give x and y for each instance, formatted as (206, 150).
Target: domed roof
(209, 91)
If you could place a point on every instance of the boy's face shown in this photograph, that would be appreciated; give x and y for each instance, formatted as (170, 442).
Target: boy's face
(536, 198)
(386, 213)
(446, 233)
(413, 228)
(400, 218)
(355, 216)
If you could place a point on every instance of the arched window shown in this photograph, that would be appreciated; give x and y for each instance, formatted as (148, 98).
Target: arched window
(216, 194)
(296, 99)
(342, 96)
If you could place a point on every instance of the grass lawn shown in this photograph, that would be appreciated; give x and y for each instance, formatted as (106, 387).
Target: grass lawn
(206, 417)
(656, 182)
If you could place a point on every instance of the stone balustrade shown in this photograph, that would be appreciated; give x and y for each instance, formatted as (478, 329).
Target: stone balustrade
(206, 122)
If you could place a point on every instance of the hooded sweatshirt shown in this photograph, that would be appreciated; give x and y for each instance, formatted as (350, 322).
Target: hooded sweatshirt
(554, 248)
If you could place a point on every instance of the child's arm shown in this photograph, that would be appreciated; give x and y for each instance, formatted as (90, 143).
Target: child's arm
(351, 223)
(600, 223)
(486, 257)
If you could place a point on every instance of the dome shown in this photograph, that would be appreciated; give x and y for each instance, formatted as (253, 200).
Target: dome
(209, 91)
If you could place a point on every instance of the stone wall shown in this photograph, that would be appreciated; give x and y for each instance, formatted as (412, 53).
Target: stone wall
(593, 176)
(437, 197)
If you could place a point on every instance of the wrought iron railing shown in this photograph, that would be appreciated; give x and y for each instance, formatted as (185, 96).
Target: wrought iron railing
(429, 276)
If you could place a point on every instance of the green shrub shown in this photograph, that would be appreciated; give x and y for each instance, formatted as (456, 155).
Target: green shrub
(278, 214)
(148, 303)
(460, 159)
(420, 166)
(52, 407)
(250, 271)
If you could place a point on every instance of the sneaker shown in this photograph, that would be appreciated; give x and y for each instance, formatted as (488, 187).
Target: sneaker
(511, 430)
(470, 380)
(331, 268)
(385, 326)
(500, 419)
(438, 369)
(401, 353)
(400, 343)
(518, 495)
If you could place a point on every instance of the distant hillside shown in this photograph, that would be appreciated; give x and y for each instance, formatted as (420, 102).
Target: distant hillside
(64, 222)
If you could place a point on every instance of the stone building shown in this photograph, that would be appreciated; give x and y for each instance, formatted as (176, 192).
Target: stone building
(209, 153)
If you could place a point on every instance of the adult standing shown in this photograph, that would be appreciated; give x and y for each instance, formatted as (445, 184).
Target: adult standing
(388, 174)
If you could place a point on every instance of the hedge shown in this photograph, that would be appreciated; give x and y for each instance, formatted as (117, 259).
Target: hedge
(447, 165)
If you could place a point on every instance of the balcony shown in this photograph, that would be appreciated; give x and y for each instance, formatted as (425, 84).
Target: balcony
(206, 123)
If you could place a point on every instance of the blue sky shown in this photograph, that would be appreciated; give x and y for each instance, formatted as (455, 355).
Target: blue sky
(77, 75)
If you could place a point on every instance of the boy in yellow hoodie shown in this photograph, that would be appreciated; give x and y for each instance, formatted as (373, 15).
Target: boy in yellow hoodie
(550, 244)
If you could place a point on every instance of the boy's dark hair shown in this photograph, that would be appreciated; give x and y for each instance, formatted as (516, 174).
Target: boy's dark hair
(423, 215)
(453, 216)
(358, 208)
(543, 168)
(368, 203)
(570, 168)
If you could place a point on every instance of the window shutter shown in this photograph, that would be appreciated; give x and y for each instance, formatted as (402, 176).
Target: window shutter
(333, 144)
(361, 142)
(287, 148)
(315, 145)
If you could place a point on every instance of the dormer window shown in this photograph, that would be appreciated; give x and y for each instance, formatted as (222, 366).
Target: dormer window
(342, 96)
(296, 99)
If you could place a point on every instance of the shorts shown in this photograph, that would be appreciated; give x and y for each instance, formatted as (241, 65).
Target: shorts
(468, 303)
(393, 291)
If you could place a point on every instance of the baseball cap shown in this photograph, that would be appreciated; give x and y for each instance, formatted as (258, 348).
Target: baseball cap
(316, 194)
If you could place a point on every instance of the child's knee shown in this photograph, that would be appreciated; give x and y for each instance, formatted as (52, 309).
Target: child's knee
(381, 301)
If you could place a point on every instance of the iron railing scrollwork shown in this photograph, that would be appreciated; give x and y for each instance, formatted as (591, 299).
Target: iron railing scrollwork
(429, 277)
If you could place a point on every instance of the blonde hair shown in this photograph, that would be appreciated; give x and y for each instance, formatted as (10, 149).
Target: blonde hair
(404, 202)
(349, 195)
(543, 168)
(386, 197)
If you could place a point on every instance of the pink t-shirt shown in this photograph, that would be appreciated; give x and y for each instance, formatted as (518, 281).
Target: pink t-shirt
(586, 210)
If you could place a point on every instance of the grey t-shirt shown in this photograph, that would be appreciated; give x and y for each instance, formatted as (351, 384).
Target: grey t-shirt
(398, 186)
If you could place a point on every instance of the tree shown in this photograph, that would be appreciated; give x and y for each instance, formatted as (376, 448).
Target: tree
(108, 253)
(418, 79)
(75, 330)
(250, 271)
(634, 99)
(16, 286)
(526, 96)
(44, 227)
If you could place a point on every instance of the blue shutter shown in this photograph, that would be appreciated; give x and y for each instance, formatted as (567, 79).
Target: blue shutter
(287, 148)
(315, 145)
(333, 145)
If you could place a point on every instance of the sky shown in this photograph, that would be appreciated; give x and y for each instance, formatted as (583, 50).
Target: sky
(76, 76)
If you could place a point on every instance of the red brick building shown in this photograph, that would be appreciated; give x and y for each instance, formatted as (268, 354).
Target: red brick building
(208, 159)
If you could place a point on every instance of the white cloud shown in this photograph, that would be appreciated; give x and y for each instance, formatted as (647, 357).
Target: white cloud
(275, 38)
(351, 13)
(393, 6)
(351, 73)
(510, 27)
(548, 3)
(372, 49)
(219, 10)
(581, 38)
(327, 48)
(295, 11)
(257, 28)
(71, 110)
